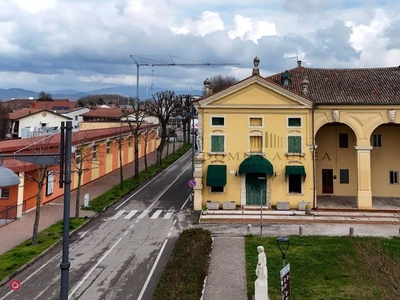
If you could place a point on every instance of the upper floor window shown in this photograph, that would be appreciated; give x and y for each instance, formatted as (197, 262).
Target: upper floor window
(255, 122)
(217, 121)
(294, 144)
(4, 193)
(294, 122)
(78, 156)
(108, 147)
(343, 140)
(94, 152)
(217, 143)
(377, 140)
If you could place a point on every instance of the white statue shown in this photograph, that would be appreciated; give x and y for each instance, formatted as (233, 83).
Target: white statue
(335, 115)
(391, 115)
(199, 142)
(261, 269)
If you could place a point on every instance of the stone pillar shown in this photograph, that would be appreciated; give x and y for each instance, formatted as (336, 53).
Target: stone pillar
(20, 195)
(198, 177)
(261, 290)
(364, 193)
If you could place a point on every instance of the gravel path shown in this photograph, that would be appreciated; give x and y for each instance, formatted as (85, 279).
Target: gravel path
(226, 276)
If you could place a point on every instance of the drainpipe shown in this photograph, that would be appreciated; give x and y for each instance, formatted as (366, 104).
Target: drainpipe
(313, 156)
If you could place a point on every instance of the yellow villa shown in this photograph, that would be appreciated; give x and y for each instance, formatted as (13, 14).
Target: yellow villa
(301, 136)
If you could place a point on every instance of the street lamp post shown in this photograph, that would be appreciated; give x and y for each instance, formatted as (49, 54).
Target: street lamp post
(283, 245)
(64, 159)
(261, 205)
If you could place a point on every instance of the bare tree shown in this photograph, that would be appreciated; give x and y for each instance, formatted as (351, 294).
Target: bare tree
(4, 123)
(162, 106)
(220, 83)
(43, 174)
(135, 119)
(119, 139)
(184, 109)
(43, 96)
(83, 160)
(148, 136)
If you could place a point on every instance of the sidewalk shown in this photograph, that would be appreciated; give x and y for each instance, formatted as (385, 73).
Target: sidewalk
(52, 212)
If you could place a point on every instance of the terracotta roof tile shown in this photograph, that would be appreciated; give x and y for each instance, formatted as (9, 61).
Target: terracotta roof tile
(346, 86)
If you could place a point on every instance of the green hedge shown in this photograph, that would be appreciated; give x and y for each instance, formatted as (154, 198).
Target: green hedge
(184, 274)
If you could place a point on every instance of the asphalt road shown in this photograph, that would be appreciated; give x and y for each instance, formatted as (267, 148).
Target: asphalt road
(121, 253)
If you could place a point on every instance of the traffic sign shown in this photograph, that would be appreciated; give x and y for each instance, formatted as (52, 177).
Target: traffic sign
(192, 183)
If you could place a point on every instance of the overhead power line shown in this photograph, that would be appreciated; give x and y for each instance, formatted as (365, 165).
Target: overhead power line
(157, 63)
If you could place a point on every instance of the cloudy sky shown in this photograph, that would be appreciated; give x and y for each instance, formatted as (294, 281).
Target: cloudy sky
(83, 45)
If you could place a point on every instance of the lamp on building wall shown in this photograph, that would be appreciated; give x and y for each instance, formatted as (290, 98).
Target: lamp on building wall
(9, 178)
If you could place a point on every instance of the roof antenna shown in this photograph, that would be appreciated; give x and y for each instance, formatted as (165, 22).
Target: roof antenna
(152, 77)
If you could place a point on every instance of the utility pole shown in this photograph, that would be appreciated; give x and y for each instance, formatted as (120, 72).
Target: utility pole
(170, 64)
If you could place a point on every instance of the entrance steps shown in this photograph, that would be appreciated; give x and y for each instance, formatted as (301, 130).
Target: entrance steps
(253, 215)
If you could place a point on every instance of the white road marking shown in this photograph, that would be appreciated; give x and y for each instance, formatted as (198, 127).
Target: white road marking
(53, 281)
(152, 270)
(30, 276)
(131, 214)
(143, 214)
(92, 269)
(130, 197)
(168, 215)
(117, 215)
(156, 214)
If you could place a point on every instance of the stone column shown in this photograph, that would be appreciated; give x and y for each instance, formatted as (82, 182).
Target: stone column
(364, 193)
(198, 176)
(20, 195)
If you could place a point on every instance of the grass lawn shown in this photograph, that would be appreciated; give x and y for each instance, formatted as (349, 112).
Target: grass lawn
(14, 259)
(326, 267)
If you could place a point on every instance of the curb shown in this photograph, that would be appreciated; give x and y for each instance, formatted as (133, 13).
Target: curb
(8, 278)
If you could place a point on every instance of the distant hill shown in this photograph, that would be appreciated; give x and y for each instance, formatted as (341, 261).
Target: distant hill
(73, 95)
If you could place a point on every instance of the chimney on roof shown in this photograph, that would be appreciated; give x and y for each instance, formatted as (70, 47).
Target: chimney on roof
(305, 84)
(299, 63)
(256, 70)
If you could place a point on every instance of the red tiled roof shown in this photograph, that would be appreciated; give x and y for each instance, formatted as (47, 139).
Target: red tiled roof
(346, 86)
(19, 114)
(57, 104)
(112, 112)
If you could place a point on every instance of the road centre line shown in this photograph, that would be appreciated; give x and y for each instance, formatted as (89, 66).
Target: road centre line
(92, 269)
(150, 182)
(152, 270)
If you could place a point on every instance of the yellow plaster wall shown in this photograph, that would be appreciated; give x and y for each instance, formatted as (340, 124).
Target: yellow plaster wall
(274, 132)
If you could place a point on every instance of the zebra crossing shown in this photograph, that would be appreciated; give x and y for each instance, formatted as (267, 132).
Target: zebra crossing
(152, 214)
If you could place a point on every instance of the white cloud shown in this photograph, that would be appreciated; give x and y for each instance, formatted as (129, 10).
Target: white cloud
(209, 22)
(35, 6)
(369, 40)
(246, 29)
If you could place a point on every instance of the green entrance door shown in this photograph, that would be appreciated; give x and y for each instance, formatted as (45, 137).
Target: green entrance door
(255, 188)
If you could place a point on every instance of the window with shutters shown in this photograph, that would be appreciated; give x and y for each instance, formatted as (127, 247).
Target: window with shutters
(217, 143)
(294, 145)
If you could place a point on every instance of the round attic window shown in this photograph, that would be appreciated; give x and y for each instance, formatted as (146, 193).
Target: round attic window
(44, 114)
